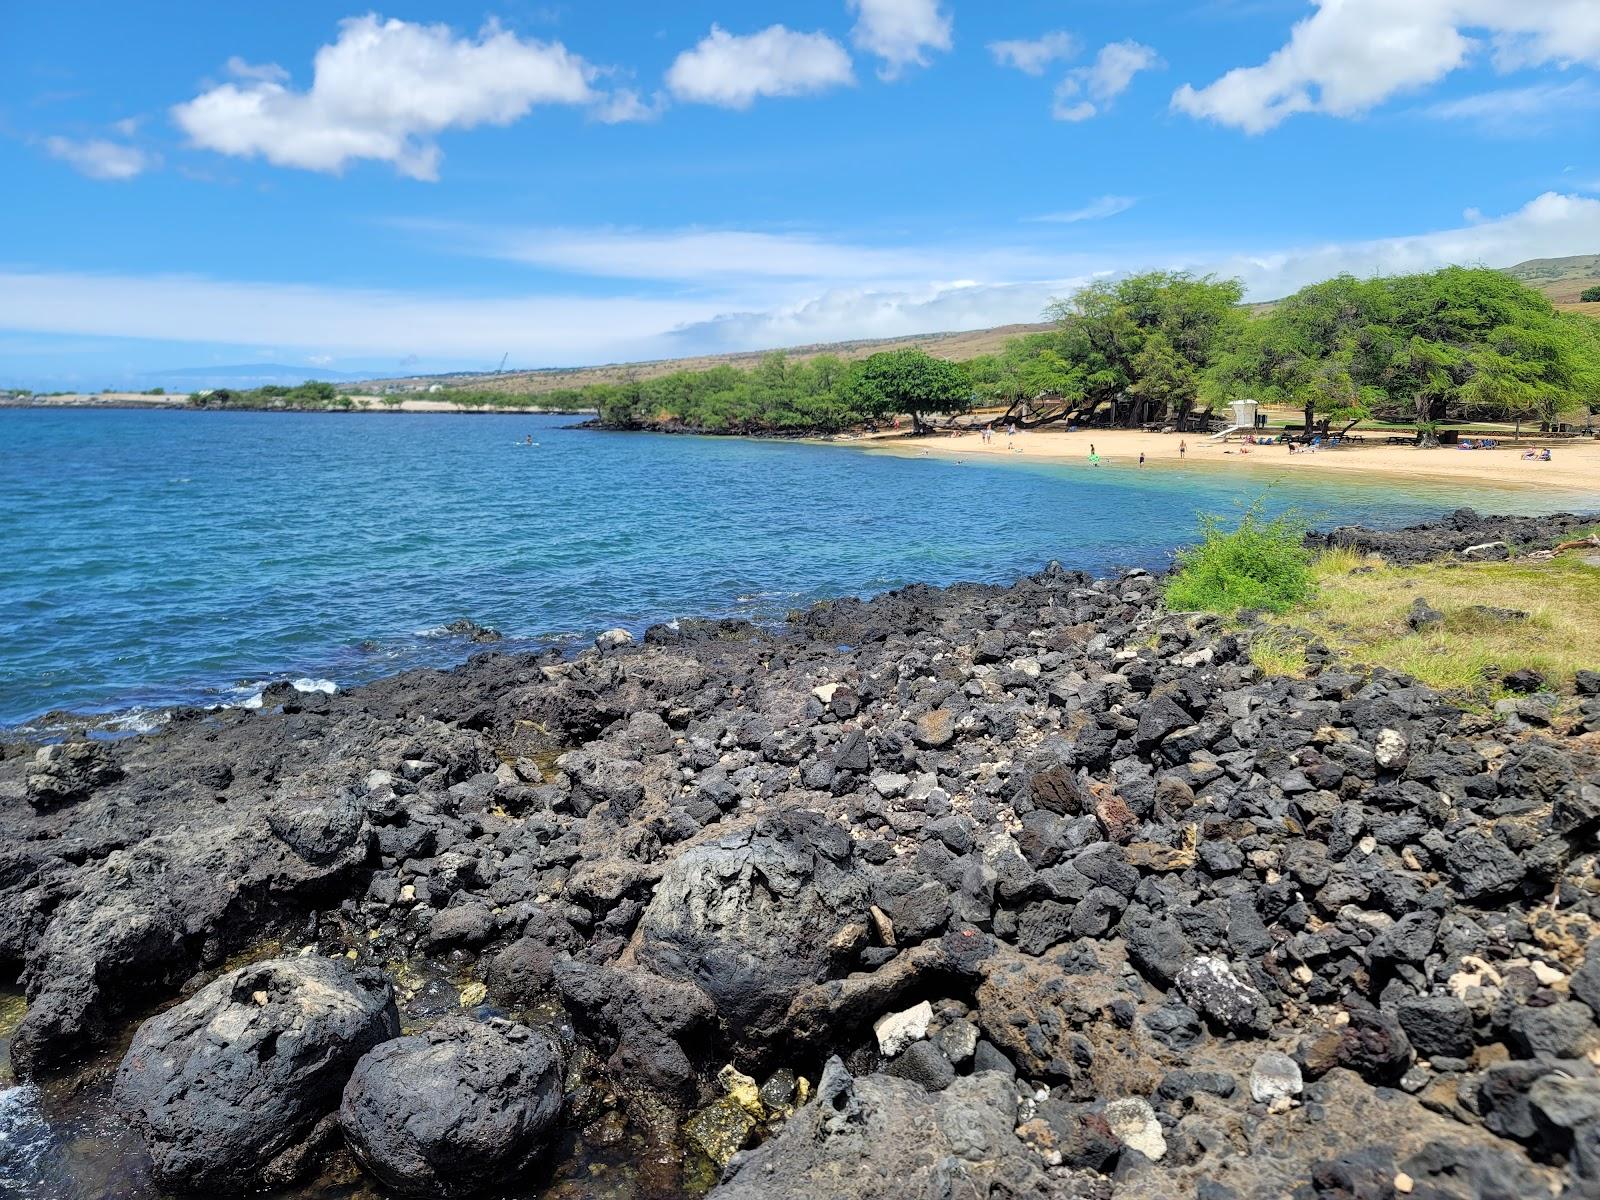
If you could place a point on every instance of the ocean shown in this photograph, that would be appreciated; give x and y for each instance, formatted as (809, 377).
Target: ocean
(152, 558)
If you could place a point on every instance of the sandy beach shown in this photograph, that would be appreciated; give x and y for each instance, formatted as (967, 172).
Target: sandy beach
(1575, 464)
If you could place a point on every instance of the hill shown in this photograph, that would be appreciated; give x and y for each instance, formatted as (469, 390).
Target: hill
(952, 345)
(1559, 278)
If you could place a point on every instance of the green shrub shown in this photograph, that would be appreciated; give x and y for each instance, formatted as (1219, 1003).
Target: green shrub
(1590, 295)
(1258, 564)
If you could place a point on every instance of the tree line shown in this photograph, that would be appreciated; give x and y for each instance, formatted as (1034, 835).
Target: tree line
(1159, 347)
(1165, 347)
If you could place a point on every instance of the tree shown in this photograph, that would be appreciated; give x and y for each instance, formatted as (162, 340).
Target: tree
(1310, 352)
(1590, 295)
(1474, 337)
(1145, 341)
(909, 381)
(1429, 347)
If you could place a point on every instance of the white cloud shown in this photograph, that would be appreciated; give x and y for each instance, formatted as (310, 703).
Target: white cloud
(1032, 55)
(384, 91)
(554, 328)
(101, 159)
(1089, 90)
(1515, 111)
(900, 32)
(734, 71)
(1549, 226)
(723, 257)
(626, 105)
(1351, 55)
(851, 314)
(914, 290)
(1095, 210)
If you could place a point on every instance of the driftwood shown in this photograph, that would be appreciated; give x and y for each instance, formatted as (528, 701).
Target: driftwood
(1592, 542)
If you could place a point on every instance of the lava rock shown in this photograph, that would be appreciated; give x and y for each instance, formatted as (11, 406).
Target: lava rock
(454, 1109)
(226, 1088)
(1223, 998)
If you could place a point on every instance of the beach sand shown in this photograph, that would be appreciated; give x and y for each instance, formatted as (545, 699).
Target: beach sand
(1575, 465)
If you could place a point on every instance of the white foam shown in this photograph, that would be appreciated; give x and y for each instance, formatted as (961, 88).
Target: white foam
(316, 685)
(24, 1136)
(139, 720)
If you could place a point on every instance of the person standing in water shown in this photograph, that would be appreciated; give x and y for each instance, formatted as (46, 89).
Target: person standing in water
(1183, 449)
(1141, 458)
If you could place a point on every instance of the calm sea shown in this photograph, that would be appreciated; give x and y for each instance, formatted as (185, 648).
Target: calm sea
(152, 558)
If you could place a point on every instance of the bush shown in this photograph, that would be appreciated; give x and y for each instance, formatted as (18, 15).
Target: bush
(1259, 564)
(1590, 295)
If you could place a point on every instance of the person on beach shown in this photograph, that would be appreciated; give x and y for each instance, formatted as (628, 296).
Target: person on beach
(1141, 458)
(1183, 449)
(1091, 449)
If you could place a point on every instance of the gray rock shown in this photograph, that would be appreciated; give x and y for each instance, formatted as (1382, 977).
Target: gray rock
(69, 771)
(1482, 866)
(1562, 1030)
(226, 1088)
(454, 1109)
(467, 925)
(1438, 1026)
(883, 1138)
(1423, 615)
(1223, 998)
(925, 1064)
(753, 917)
(1274, 1074)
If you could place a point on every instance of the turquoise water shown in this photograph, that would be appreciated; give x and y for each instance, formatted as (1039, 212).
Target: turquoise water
(152, 558)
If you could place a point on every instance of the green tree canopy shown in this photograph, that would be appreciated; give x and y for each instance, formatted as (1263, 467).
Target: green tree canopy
(1150, 338)
(1456, 342)
(907, 381)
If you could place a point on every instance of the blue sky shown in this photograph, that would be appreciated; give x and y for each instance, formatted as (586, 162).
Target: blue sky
(432, 185)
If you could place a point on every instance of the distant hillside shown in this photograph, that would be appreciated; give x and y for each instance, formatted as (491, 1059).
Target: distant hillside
(1559, 278)
(953, 346)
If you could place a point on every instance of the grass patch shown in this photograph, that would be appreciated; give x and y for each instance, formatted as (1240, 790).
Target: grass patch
(1259, 564)
(1360, 605)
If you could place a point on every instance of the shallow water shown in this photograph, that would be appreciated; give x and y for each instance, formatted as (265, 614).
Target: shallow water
(154, 558)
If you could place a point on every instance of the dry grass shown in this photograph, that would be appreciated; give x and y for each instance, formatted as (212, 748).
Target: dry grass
(1361, 606)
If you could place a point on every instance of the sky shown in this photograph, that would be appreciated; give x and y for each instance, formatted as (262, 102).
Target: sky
(442, 186)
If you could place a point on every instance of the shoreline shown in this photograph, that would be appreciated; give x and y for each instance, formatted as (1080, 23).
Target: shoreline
(117, 723)
(128, 402)
(1575, 467)
(1079, 794)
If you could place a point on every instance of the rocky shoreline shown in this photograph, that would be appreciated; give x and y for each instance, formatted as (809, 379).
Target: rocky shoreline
(1028, 891)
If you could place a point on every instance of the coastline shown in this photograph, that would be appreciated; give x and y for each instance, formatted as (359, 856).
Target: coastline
(546, 836)
(1575, 465)
(138, 402)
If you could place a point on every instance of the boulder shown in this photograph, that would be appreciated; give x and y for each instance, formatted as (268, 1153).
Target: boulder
(653, 1029)
(227, 1088)
(881, 1138)
(454, 1109)
(69, 771)
(756, 916)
